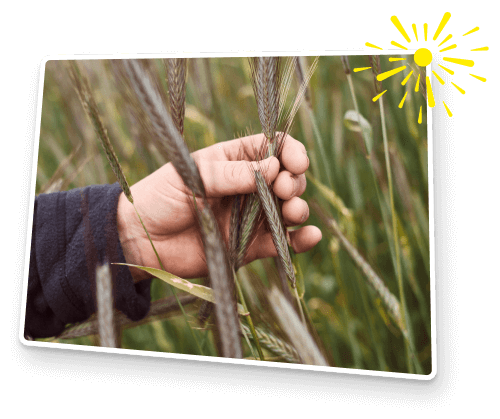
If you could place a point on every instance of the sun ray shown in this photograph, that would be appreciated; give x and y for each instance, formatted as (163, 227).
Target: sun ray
(446, 39)
(447, 69)
(448, 48)
(430, 95)
(390, 73)
(425, 31)
(400, 28)
(471, 31)
(357, 70)
(459, 88)
(415, 31)
(420, 115)
(444, 21)
(478, 77)
(417, 84)
(447, 110)
(402, 101)
(398, 45)
(440, 80)
(481, 49)
(460, 61)
(392, 59)
(378, 96)
(373, 46)
(407, 78)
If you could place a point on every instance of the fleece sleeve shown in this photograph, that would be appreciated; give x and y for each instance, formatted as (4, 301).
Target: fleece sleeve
(73, 232)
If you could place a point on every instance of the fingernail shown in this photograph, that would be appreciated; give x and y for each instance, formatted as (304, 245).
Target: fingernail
(295, 186)
(304, 151)
(304, 216)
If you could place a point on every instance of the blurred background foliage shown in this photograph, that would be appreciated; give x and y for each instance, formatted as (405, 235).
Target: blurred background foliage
(352, 325)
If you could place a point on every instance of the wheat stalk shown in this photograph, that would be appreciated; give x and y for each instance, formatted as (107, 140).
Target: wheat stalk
(105, 311)
(82, 88)
(160, 309)
(301, 75)
(220, 274)
(295, 330)
(271, 89)
(275, 221)
(265, 79)
(389, 300)
(135, 108)
(375, 65)
(176, 75)
(275, 345)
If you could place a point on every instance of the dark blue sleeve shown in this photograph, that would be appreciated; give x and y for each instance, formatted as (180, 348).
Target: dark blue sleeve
(74, 231)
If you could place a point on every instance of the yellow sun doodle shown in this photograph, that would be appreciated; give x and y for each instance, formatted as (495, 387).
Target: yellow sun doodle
(422, 58)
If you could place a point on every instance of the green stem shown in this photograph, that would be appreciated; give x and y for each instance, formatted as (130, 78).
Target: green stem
(399, 272)
(300, 307)
(393, 242)
(249, 318)
(319, 142)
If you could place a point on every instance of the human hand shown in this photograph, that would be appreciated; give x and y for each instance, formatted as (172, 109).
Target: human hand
(166, 206)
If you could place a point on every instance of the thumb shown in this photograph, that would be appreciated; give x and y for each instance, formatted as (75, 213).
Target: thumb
(223, 178)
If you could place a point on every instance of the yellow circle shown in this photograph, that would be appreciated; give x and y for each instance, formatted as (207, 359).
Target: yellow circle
(423, 57)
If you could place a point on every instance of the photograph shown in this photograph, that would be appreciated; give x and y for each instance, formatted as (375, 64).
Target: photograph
(269, 210)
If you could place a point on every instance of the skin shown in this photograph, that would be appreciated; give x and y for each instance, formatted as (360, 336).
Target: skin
(166, 206)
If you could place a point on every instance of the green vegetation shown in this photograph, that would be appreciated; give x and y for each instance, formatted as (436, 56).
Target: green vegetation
(362, 298)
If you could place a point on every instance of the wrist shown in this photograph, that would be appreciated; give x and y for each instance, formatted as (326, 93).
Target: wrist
(130, 235)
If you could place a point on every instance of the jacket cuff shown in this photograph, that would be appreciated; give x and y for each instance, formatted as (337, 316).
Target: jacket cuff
(75, 231)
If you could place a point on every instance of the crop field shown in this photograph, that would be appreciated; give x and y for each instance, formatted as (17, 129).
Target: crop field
(360, 298)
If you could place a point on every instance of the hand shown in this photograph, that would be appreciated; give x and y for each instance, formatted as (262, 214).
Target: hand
(166, 206)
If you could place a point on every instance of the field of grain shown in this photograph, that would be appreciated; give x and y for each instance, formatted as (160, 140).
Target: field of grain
(361, 297)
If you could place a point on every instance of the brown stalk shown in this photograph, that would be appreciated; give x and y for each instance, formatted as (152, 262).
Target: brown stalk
(160, 309)
(105, 311)
(226, 315)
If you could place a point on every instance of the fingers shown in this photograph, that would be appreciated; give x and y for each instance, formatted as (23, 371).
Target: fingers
(223, 178)
(305, 238)
(293, 155)
(225, 169)
(287, 185)
(302, 240)
(295, 211)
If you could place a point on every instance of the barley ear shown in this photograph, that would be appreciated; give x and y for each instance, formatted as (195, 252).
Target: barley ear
(375, 64)
(176, 75)
(221, 278)
(265, 77)
(295, 330)
(82, 88)
(390, 302)
(275, 222)
(165, 129)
